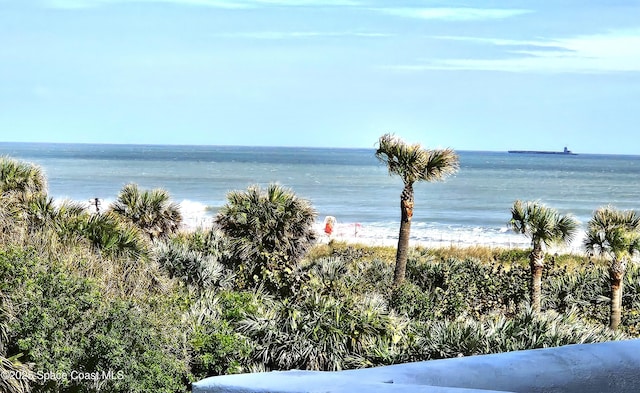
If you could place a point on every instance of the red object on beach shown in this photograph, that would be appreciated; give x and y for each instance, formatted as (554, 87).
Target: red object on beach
(328, 225)
(328, 228)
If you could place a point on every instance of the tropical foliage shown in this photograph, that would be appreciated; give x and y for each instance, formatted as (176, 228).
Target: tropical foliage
(92, 293)
(616, 234)
(544, 226)
(150, 210)
(269, 231)
(412, 163)
(22, 178)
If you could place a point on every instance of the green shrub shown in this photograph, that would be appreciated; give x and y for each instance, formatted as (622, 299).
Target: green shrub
(468, 287)
(217, 349)
(110, 236)
(190, 266)
(631, 301)
(375, 276)
(63, 325)
(323, 332)
(215, 344)
(142, 352)
(494, 334)
(269, 232)
(408, 299)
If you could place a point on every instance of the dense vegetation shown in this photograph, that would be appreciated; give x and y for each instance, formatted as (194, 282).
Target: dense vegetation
(119, 301)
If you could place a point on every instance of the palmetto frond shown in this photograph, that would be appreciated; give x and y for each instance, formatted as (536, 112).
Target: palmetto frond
(150, 210)
(543, 225)
(9, 384)
(21, 177)
(272, 220)
(111, 236)
(440, 164)
(414, 163)
(269, 231)
(38, 211)
(614, 232)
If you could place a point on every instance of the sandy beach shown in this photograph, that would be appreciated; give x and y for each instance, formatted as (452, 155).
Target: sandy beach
(354, 233)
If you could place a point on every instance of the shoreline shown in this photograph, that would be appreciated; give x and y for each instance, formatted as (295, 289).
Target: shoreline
(357, 234)
(428, 235)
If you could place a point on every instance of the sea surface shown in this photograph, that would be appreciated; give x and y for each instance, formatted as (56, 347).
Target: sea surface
(470, 207)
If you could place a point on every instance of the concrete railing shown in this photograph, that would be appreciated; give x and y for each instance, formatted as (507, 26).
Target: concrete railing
(583, 368)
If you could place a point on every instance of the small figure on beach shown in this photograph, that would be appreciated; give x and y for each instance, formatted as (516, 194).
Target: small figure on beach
(329, 223)
(95, 202)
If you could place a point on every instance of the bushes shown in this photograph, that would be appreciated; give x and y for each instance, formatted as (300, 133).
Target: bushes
(63, 325)
(465, 287)
(192, 267)
(140, 348)
(215, 343)
(82, 292)
(494, 334)
(322, 332)
(269, 232)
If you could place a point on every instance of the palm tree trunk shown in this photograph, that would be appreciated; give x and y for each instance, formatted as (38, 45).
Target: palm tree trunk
(616, 276)
(536, 259)
(406, 209)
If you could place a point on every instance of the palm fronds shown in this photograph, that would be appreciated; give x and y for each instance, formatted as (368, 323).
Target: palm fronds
(150, 210)
(18, 177)
(543, 225)
(269, 232)
(414, 163)
(613, 232)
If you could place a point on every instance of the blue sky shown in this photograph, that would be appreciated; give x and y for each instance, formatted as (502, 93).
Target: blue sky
(471, 75)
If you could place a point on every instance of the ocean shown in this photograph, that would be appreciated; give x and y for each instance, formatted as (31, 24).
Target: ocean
(470, 207)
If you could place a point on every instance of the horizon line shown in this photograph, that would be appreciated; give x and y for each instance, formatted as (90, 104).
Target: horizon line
(274, 146)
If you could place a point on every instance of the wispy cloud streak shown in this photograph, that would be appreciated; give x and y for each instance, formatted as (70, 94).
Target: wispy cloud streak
(454, 14)
(281, 35)
(603, 53)
(229, 4)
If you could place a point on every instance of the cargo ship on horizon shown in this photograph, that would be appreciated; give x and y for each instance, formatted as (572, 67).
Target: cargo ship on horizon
(566, 152)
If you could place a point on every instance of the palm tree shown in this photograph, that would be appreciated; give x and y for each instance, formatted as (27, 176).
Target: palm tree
(269, 231)
(150, 210)
(617, 234)
(412, 163)
(544, 226)
(21, 177)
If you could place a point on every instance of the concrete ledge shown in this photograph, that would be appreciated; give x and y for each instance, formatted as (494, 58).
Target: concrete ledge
(583, 368)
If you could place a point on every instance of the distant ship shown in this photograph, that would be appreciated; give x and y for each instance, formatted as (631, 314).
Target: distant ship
(564, 152)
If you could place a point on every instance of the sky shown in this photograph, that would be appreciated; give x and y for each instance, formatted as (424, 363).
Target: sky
(470, 75)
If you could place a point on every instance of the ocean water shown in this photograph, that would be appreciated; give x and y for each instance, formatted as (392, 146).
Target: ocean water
(470, 207)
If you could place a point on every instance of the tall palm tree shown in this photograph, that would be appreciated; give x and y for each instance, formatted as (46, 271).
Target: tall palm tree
(614, 233)
(412, 163)
(150, 210)
(269, 231)
(544, 226)
(21, 177)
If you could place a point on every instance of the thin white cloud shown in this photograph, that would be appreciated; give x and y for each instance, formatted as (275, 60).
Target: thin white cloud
(303, 3)
(80, 4)
(229, 4)
(281, 35)
(459, 14)
(602, 53)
